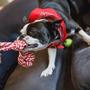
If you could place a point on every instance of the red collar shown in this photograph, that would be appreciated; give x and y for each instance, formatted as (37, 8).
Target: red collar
(49, 14)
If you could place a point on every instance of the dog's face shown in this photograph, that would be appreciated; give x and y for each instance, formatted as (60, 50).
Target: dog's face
(36, 35)
(39, 34)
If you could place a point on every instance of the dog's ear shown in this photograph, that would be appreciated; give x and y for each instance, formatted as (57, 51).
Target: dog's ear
(57, 23)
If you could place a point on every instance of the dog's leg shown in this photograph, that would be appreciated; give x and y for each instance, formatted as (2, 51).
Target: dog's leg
(51, 66)
(84, 36)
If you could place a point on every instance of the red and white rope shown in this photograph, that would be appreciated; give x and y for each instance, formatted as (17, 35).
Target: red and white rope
(24, 59)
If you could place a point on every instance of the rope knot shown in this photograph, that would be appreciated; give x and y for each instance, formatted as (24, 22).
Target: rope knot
(25, 59)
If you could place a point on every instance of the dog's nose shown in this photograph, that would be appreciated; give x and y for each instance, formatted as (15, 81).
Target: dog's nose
(33, 45)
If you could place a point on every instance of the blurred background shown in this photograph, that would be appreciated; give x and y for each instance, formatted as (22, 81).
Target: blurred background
(4, 3)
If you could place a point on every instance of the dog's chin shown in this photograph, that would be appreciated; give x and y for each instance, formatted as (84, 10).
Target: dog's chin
(42, 47)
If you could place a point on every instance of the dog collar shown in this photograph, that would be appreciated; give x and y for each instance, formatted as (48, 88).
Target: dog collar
(50, 15)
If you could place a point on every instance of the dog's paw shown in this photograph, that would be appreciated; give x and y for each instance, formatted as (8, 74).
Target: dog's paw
(87, 40)
(89, 43)
(48, 71)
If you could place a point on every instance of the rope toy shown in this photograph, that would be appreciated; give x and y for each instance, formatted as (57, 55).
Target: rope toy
(25, 59)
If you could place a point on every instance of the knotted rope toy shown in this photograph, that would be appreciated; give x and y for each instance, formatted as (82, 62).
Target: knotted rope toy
(25, 59)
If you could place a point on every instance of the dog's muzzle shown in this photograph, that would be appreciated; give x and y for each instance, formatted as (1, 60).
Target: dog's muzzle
(28, 45)
(32, 45)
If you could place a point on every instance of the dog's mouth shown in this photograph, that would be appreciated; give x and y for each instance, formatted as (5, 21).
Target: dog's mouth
(32, 45)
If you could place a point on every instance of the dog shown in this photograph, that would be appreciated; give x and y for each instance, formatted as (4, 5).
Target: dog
(43, 31)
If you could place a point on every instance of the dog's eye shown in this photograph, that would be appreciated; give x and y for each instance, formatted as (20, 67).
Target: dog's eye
(31, 31)
(34, 34)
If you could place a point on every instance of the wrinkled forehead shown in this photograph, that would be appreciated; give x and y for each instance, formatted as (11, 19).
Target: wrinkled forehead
(35, 24)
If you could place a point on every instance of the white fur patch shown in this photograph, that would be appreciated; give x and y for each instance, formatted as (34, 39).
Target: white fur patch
(84, 36)
(24, 29)
(51, 66)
